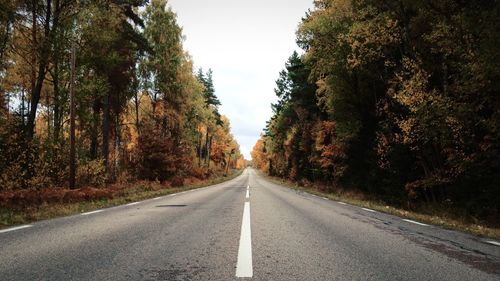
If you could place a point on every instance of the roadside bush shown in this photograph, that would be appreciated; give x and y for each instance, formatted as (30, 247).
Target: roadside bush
(91, 173)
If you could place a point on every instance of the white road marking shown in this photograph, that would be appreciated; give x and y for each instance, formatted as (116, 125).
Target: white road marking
(369, 210)
(90, 213)
(156, 198)
(248, 187)
(314, 195)
(493, 242)
(244, 267)
(341, 203)
(415, 222)
(132, 204)
(325, 198)
(248, 194)
(16, 228)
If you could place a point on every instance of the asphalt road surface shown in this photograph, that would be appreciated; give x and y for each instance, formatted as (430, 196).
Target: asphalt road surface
(246, 228)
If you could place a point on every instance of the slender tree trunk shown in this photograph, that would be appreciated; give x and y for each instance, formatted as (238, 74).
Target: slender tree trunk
(105, 132)
(57, 115)
(206, 147)
(37, 83)
(33, 58)
(198, 148)
(57, 107)
(72, 109)
(23, 107)
(117, 143)
(136, 102)
(209, 150)
(49, 125)
(95, 128)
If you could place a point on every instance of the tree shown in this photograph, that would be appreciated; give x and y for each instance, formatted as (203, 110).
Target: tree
(406, 100)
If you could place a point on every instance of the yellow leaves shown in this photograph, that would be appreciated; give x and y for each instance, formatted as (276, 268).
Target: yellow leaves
(259, 156)
(370, 40)
(414, 81)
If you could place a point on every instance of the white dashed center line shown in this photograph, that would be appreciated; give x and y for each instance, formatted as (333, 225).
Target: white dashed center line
(244, 267)
(415, 222)
(15, 228)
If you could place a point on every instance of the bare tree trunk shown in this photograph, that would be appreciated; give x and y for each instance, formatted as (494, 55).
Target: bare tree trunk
(33, 54)
(105, 132)
(117, 143)
(209, 150)
(95, 128)
(198, 148)
(49, 124)
(57, 107)
(136, 102)
(72, 109)
(37, 83)
(23, 107)
(57, 114)
(206, 147)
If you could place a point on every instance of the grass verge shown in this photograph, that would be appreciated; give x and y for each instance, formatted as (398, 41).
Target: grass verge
(426, 214)
(132, 193)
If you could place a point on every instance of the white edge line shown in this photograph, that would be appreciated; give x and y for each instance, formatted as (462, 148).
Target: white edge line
(244, 267)
(369, 210)
(325, 198)
(492, 242)
(156, 198)
(15, 228)
(415, 222)
(341, 203)
(132, 204)
(90, 213)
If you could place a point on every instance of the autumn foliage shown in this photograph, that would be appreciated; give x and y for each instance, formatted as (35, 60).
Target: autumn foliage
(142, 111)
(398, 99)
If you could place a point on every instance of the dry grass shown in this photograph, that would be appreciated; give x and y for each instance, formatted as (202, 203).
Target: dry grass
(27, 213)
(426, 214)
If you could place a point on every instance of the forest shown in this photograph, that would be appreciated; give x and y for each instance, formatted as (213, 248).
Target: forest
(398, 100)
(99, 92)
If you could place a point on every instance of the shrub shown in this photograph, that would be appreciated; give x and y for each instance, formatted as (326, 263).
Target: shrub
(91, 173)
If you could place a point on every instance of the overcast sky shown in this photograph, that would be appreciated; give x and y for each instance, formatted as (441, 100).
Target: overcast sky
(246, 43)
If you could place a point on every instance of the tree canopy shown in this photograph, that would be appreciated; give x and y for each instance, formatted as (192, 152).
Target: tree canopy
(398, 99)
(141, 110)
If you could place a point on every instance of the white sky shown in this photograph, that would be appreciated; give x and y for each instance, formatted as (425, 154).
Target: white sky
(246, 43)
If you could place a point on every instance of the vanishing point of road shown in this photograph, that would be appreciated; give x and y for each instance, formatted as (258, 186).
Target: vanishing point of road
(247, 228)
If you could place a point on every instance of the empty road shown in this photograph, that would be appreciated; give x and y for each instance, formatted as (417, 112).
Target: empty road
(246, 228)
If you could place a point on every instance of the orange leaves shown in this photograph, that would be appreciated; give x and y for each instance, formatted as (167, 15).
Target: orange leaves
(327, 147)
(259, 157)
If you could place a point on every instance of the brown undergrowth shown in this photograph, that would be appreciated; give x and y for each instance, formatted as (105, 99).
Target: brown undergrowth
(25, 206)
